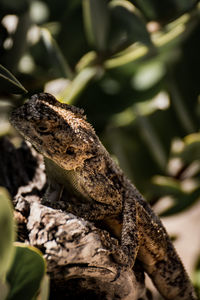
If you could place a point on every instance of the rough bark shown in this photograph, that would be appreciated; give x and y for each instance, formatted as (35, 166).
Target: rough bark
(78, 262)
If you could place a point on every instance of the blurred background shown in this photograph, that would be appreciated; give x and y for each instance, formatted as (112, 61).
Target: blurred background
(134, 68)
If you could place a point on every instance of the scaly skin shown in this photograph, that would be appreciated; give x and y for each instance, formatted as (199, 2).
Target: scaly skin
(80, 170)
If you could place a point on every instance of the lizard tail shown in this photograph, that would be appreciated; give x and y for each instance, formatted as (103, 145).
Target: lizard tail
(171, 279)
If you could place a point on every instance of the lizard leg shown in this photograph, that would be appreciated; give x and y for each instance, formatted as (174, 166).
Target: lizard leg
(124, 254)
(128, 233)
(130, 239)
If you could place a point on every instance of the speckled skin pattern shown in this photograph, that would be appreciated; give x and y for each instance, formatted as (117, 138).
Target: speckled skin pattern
(77, 164)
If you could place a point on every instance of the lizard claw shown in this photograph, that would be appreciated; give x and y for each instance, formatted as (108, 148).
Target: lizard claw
(124, 260)
(119, 270)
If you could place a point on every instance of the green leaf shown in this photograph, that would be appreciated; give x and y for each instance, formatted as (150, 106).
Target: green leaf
(96, 20)
(4, 289)
(58, 61)
(126, 26)
(10, 84)
(44, 289)
(147, 7)
(166, 10)
(86, 60)
(182, 203)
(6, 233)
(166, 186)
(191, 150)
(78, 84)
(26, 273)
(165, 42)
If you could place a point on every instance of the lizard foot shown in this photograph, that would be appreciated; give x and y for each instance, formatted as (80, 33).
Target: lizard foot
(123, 258)
(120, 254)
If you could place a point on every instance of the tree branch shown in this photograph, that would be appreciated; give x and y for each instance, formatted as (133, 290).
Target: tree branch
(78, 260)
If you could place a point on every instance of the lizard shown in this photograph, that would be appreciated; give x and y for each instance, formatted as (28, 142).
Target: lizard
(77, 163)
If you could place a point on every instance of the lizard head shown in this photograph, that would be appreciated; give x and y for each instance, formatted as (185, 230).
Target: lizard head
(58, 131)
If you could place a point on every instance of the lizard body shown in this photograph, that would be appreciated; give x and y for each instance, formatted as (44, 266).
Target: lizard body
(78, 164)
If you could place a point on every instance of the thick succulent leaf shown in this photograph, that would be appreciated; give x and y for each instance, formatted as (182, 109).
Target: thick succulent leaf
(44, 289)
(26, 273)
(4, 290)
(6, 233)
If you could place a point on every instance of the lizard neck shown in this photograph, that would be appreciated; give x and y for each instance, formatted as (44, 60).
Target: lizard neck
(67, 178)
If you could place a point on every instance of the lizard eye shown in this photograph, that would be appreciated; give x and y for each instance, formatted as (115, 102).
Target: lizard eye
(70, 151)
(43, 128)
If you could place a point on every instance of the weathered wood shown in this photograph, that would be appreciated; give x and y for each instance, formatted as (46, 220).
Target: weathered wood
(78, 262)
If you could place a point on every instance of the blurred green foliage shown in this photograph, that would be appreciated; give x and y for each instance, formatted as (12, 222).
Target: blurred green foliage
(22, 268)
(132, 65)
(26, 273)
(6, 233)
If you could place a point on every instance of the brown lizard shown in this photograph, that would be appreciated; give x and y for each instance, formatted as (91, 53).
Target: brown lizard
(78, 164)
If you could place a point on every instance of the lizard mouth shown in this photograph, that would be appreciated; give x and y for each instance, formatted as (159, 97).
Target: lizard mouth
(90, 270)
(22, 125)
